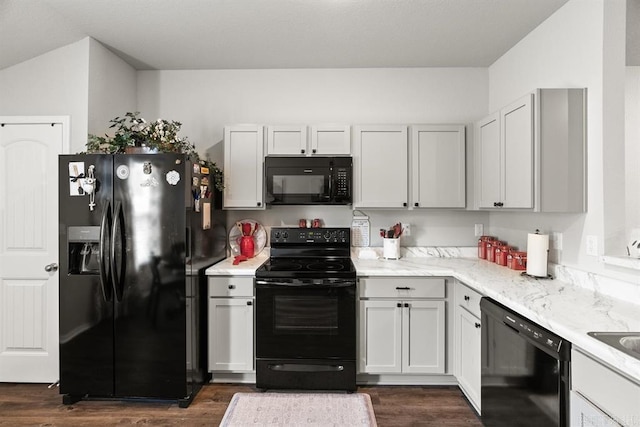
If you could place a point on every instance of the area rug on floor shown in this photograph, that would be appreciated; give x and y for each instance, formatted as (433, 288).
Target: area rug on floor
(295, 409)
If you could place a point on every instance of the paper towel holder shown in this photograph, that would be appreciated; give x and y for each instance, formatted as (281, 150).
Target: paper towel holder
(548, 276)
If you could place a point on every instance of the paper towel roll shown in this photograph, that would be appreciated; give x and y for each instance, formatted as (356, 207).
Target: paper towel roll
(537, 253)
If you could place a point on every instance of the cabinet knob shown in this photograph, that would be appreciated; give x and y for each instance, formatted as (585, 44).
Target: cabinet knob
(399, 305)
(406, 304)
(477, 325)
(302, 151)
(467, 298)
(232, 286)
(314, 151)
(404, 204)
(249, 302)
(259, 203)
(416, 204)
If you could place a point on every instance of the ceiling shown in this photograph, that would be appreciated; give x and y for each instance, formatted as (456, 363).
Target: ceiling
(245, 34)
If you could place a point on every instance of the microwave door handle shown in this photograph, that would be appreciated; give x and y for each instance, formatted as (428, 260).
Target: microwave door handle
(331, 186)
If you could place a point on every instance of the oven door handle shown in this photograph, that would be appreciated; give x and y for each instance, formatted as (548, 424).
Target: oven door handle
(279, 284)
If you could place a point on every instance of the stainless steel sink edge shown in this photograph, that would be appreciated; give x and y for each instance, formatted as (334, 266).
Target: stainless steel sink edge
(626, 342)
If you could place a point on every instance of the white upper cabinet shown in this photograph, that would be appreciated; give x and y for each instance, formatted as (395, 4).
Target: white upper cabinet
(380, 166)
(438, 166)
(320, 140)
(243, 167)
(330, 140)
(531, 154)
(286, 140)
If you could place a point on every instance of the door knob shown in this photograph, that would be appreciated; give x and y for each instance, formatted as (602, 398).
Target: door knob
(51, 267)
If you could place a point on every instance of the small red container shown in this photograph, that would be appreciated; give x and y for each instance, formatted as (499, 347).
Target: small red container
(517, 260)
(482, 246)
(501, 254)
(491, 249)
(247, 246)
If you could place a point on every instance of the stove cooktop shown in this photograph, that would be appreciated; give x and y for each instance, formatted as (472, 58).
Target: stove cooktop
(307, 268)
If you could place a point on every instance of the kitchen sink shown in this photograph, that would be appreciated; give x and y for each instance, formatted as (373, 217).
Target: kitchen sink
(626, 342)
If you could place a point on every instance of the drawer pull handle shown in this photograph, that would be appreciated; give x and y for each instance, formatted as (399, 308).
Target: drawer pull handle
(251, 303)
(406, 304)
(399, 305)
(467, 298)
(478, 325)
(403, 288)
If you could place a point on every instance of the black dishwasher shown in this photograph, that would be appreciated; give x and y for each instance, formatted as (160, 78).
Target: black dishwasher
(525, 371)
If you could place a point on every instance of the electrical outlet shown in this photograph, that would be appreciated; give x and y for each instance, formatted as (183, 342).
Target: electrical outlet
(592, 245)
(479, 230)
(406, 229)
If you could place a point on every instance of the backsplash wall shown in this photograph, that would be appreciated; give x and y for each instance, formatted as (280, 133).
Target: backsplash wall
(428, 227)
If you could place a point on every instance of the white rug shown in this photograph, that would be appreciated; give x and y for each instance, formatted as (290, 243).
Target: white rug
(298, 409)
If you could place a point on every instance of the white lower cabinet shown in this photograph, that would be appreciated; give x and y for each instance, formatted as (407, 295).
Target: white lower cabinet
(231, 320)
(601, 396)
(401, 335)
(468, 337)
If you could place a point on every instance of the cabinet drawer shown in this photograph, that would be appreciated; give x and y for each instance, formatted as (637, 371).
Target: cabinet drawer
(230, 286)
(469, 299)
(402, 287)
(608, 390)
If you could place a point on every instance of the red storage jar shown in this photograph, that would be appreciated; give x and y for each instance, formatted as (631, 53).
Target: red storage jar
(491, 249)
(482, 246)
(517, 260)
(501, 254)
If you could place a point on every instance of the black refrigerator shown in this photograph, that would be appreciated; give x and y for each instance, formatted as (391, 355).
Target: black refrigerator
(137, 232)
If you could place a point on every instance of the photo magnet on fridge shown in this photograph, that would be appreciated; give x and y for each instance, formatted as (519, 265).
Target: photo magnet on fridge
(76, 178)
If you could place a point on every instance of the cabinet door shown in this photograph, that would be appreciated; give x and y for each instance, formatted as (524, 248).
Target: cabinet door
(286, 140)
(438, 166)
(380, 337)
(231, 334)
(586, 414)
(330, 140)
(467, 348)
(243, 164)
(423, 331)
(516, 122)
(488, 162)
(380, 165)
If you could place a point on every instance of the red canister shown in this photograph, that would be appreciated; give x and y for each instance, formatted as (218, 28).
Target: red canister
(482, 246)
(501, 254)
(517, 260)
(491, 249)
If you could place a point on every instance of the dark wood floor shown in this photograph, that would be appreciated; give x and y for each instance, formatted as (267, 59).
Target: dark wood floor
(37, 405)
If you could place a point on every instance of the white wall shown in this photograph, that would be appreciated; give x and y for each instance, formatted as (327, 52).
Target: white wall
(575, 47)
(632, 158)
(53, 84)
(206, 101)
(112, 88)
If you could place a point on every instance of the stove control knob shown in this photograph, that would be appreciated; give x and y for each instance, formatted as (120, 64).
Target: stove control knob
(327, 236)
(277, 235)
(333, 235)
(285, 235)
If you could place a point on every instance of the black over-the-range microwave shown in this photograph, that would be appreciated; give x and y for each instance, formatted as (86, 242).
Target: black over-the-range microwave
(309, 180)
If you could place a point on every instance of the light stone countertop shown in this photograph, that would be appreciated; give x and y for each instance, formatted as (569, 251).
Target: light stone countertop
(567, 309)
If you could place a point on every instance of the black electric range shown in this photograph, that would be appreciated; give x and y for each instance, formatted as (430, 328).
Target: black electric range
(306, 311)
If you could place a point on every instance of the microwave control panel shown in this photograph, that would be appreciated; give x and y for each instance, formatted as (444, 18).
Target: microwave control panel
(342, 182)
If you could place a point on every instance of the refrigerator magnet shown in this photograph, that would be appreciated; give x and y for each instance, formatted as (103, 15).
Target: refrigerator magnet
(195, 181)
(76, 178)
(196, 168)
(173, 177)
(204, 170)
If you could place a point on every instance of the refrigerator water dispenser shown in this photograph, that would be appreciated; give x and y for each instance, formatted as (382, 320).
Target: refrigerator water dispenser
(84, 249)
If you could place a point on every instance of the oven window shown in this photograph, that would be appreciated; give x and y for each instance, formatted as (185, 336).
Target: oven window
(298, 184)
(317, 315)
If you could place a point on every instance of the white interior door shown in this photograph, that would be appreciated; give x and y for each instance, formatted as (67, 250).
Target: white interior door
(29, 148)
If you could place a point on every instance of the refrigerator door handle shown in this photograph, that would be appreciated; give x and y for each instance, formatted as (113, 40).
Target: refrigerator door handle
(103, 264)
(117, 232)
